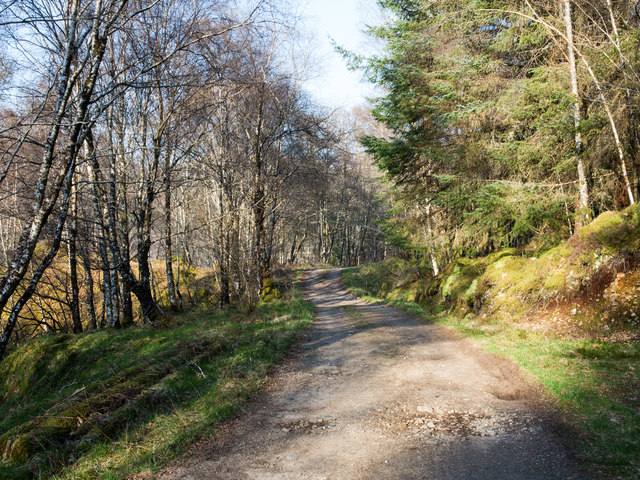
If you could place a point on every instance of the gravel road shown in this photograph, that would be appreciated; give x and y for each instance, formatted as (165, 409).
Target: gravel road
(373, 394)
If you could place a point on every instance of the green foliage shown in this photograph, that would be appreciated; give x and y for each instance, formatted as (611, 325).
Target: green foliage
(508, 283)
(107, 404)
(269, 291)
(478, 107)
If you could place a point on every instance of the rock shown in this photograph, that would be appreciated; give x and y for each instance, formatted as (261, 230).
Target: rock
(425, 409)
(431, 425)
(292, 457)
(326, 370)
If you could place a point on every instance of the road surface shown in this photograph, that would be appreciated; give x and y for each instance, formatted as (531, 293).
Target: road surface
(374, 394)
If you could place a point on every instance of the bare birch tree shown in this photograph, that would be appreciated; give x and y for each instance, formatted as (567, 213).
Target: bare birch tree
(78, 39)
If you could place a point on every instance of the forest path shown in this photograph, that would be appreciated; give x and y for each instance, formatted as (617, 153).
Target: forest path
(374, 394)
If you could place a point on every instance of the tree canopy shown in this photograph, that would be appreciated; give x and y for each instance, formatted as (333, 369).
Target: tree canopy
(478, 101)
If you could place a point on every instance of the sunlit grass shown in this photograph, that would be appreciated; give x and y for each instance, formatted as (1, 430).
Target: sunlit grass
(110, 404)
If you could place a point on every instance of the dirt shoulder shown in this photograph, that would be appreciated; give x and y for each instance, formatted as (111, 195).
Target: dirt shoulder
(375, 394)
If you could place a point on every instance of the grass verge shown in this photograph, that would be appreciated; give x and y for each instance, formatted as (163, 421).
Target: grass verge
(357, 317)
(595, 382)
(113, 404)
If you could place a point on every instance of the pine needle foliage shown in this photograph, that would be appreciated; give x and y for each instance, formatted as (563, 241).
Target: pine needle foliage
(477, 100)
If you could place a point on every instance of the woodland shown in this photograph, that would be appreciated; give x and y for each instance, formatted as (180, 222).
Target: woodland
(511, 124)
(156, 138)
(150, 138)
(161, 164)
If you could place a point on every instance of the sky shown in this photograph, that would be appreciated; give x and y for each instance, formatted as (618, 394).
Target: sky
(334, 86)
(341, 20)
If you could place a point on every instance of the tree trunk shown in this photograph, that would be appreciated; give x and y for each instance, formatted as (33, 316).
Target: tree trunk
(259, 207)
(44, 264)
(109, 305)
(89, 285)
(223, 242)
(583, 204)
(623, 165)
(72, 235)
(168, 249)
(123, 224)
(142, 288)
(114, 249)
(434, 261)
(46, 198)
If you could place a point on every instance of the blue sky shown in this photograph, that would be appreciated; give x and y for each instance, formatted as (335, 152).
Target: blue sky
(341, 20)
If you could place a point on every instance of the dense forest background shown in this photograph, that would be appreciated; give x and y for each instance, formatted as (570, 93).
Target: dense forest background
(511, 123)
(149, 144)
(146, 144)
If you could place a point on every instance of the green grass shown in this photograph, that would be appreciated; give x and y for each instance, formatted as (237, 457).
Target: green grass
(595, 383)
(357, 317)
(111, 404)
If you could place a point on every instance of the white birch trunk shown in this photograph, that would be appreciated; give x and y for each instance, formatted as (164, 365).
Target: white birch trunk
(583, 205)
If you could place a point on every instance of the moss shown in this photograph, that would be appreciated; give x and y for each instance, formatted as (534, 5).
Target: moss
(612, 230)
(5, 442)
(470, 293)
(463, 275)
(506, 283)
(606, 221)
(66, 422)
(556, 281)
(269, 291)
(451, 280)
(403, 294)
(22, 448)
(494, 257)
(507, 270)
(203, 295)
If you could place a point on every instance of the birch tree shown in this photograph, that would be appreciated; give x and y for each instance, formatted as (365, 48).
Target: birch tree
(76, 34)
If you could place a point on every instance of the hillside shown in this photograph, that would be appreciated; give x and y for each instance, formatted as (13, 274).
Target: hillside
(569, 317)
(111, 404)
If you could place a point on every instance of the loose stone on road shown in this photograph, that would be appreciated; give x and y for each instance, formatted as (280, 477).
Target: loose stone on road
(374, 394)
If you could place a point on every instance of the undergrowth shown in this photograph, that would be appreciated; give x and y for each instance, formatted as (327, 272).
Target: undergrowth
(110, 404)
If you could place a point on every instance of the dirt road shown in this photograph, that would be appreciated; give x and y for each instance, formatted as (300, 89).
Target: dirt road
(376, 395)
